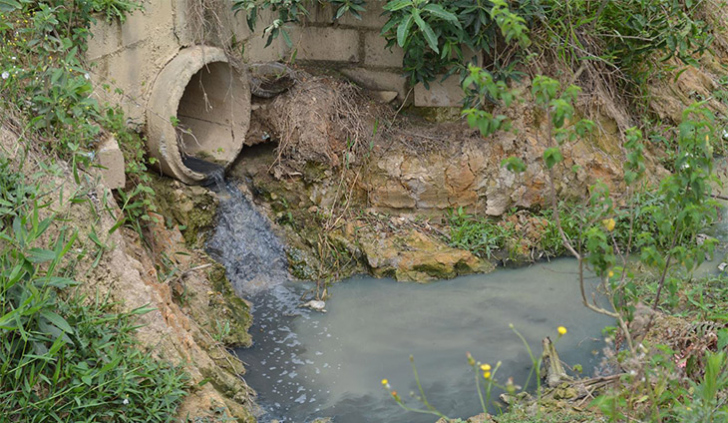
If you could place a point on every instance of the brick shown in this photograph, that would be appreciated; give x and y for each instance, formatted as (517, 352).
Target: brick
(378, 80)
(111, 160)
(255, 50)
(445, 94)
(105, 39)
(376, 53)
(326, 44)
(156, 19)
(322, 13)
(370, 19)
(134, 70)
(183, 29)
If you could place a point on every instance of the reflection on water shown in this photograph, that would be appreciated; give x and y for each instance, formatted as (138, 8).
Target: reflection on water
(306, 364)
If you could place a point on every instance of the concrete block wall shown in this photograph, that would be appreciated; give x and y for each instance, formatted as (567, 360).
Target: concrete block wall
(356, 48)
(129, 56)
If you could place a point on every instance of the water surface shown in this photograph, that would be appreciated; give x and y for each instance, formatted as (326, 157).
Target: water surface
(306, 364)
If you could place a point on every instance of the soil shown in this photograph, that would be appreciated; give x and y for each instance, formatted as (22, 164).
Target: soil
(184, 290)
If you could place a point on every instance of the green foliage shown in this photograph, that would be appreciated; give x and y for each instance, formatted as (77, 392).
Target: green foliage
(421, 28)
(43, 71)
(44, 76)
(138, 201)
(440, 37)
(287, 11)
(623, 34)
(480, 236)
(66, 358)
(654, 393)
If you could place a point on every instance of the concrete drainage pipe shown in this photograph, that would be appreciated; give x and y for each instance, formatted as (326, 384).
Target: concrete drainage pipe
(199, 107)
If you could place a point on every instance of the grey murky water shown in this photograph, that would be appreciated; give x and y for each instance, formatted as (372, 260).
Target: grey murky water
(306, 364)
(244, 243)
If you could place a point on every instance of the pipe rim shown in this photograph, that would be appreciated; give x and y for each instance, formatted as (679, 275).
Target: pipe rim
(165, 101)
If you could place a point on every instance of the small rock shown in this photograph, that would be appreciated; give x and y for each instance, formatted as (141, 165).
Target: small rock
(722, 266)
(315, 305)
(384, 96)
(701, 238)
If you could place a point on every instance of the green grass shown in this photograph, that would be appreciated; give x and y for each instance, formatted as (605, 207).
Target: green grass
(66, 357)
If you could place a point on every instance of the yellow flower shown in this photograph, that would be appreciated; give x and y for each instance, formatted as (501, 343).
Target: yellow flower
(609, 224)
(485, 367)
(610, 274)
(385, 381)
(562, 330)
(486, 375)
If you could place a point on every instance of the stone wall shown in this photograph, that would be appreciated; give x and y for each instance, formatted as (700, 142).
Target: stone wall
(129, 56)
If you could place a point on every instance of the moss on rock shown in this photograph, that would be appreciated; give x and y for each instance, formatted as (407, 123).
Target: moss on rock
(228, 306)
(193, 208)
(414, 256)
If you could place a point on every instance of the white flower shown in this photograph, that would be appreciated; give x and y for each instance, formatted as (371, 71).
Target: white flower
(87, 76)
(5, 75)
(13, 58)
(126, 401)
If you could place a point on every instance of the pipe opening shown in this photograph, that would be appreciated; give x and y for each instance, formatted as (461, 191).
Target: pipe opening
(206, 112)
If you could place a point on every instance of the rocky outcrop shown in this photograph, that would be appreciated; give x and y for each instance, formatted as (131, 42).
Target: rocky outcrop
(414, 256)
(416, 166)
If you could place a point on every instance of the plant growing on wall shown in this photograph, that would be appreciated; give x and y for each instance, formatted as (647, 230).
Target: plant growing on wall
(441, 37)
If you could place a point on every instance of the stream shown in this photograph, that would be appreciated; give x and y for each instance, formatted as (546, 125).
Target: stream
(306, 364)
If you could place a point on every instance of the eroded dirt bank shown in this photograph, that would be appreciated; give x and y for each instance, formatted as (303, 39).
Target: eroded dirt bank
(187, 294)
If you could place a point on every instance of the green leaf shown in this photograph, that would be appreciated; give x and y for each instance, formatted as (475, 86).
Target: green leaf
(286, 37)
(552, 156)
(8, 321)
(58, 282)
(7, 6)
(397, 5)
(39, 255)
(57, 344)
(112, 364)
(57, 320)
(440, 12)
(340, 12)
(427, 30)
(403, 30)
(514, 164)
